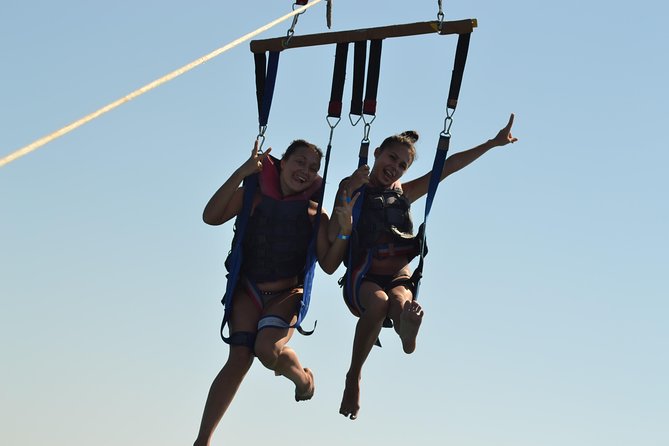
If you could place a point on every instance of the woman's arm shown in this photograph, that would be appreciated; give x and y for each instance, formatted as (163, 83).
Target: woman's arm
(348, 185)
(417, 188)
(331, 252)
(227, 200)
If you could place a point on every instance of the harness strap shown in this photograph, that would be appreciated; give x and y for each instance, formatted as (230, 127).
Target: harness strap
(373, 70)
(242, 338)
(312, 254)
(250, 186)
(260, 61)
(442, 148)
(272, 321)
(338, 78)
(393, 249)
(363, 154)
(358, 77)
(458, 69)
(265, 81)
(368, 108)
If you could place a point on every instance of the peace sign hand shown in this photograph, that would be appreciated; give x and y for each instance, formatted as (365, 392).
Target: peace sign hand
(254, 163)
(344, 212)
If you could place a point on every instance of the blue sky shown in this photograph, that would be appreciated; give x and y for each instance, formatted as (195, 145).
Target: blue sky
(545, 288)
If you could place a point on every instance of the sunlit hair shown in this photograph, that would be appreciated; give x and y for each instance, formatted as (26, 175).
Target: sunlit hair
(407, 139)
(301, 143)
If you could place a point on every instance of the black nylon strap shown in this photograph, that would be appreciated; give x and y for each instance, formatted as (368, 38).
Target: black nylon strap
(265, 81)
(373, 71)
(261, 67)
(338, 78)
(360, 57)
(363, 154)
(242, 338)
(458, 70)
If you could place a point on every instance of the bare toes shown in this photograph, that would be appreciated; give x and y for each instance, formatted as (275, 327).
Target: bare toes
(308, 393)
(350, 403)
(410, 320)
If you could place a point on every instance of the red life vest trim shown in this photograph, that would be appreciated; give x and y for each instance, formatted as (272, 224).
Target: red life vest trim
(271, 187)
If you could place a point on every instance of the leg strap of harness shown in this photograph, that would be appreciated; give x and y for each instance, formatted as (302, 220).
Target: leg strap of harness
(242, 338)
(271, 321)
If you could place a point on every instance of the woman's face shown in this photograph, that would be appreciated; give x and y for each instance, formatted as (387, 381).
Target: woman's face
(390, 164)
(299, 170)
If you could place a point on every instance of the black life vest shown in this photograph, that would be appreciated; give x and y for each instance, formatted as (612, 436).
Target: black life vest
(276, 240)
(278, 231)
(384, 227)
(384, 211)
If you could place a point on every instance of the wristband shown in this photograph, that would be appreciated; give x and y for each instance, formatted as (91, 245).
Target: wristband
(343, 236)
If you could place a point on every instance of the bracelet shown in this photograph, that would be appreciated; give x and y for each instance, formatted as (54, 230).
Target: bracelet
(343, 236)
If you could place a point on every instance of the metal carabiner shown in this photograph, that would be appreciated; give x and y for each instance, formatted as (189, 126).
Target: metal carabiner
(440, 15)
(261, 138)
(365, 133)
(447, 125)
(291, 30)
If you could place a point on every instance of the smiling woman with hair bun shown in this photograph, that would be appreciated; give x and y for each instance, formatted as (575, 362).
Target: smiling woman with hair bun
(378, 287)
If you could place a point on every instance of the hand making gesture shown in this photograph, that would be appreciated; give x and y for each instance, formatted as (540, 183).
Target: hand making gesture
(504, 136)
(254, 163)
(343, 213)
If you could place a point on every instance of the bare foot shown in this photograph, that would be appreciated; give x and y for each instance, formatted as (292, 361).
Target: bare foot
(308, 392)
(410, 319)
(350, 402)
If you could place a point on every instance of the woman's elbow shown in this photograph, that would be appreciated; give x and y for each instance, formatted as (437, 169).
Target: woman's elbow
(210, 219)
(328, 268)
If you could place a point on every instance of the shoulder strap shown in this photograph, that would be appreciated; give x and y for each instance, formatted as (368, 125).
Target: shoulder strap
(250, 188)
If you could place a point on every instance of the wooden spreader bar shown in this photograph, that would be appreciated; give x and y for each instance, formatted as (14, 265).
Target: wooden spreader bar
(409, 29)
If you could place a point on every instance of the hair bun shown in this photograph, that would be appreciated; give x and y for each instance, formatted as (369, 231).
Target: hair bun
(410, 134)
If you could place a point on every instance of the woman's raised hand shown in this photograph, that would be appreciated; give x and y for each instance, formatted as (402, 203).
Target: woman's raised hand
(344, 212)
(254, 163)
(504, 136)
(359, 177)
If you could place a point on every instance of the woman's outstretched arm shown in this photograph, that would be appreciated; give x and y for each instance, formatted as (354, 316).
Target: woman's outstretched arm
(415, 189)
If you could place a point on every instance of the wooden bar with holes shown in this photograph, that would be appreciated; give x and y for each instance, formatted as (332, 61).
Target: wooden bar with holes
(409, 29)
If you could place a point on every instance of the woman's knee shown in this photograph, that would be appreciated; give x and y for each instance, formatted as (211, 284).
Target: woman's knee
(267, 352)
(376, 306)
(240, 358)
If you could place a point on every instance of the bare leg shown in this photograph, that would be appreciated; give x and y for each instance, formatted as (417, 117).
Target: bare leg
(273, 352)
(288, 365)
(367, 331)
(222, 391)
(244, 318)
(276, 356)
